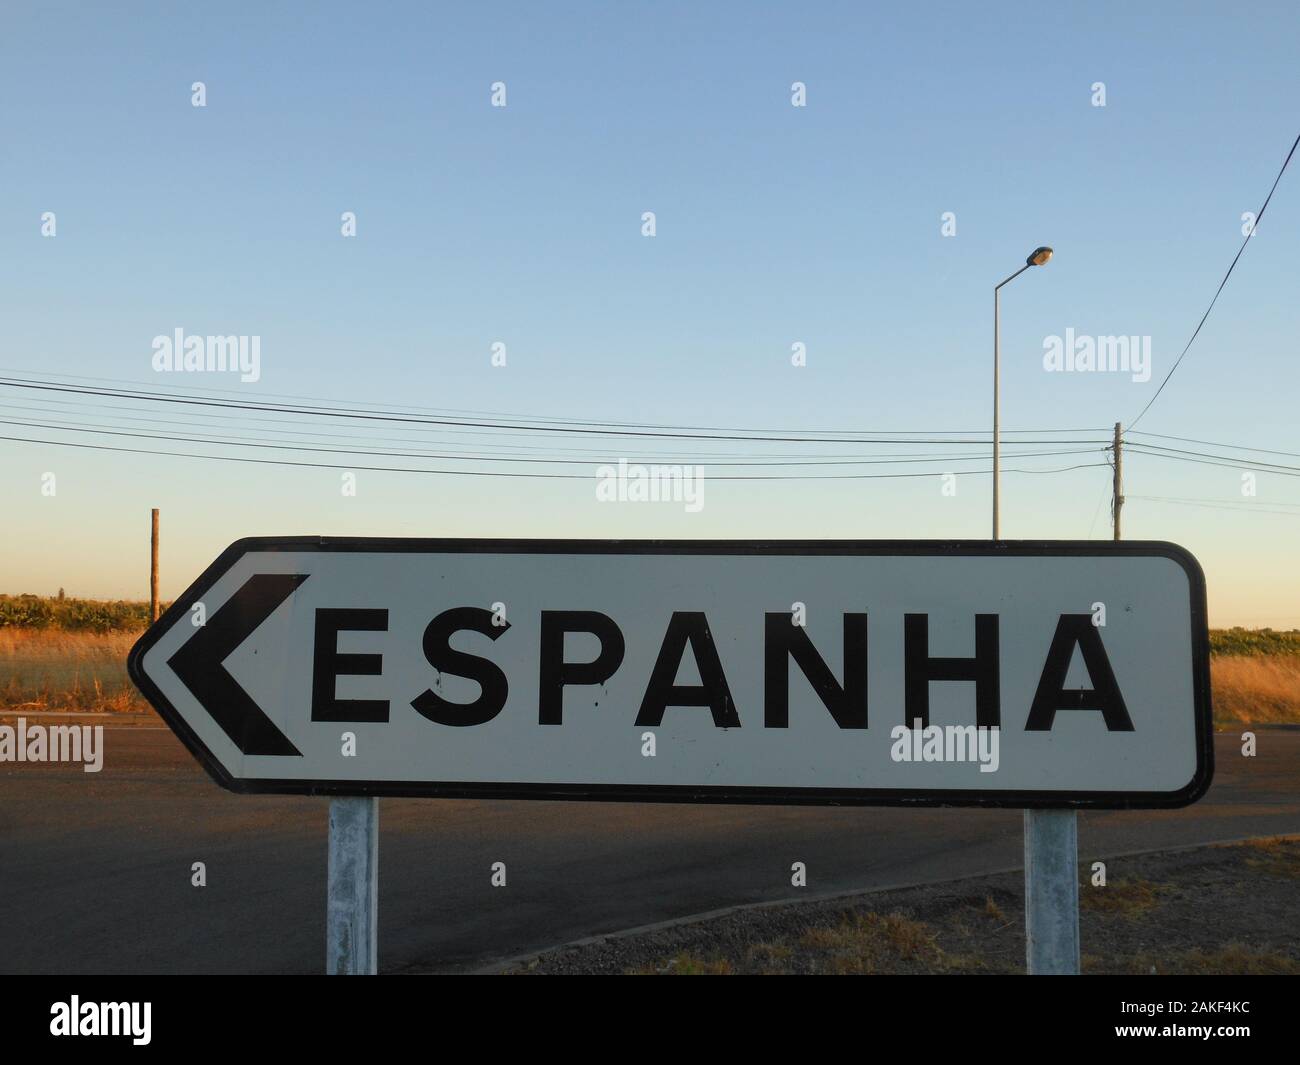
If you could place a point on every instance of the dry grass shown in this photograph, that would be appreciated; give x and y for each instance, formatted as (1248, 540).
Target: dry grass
(865, 943)
(1274, 856)
(1223, 909)
(851, 943)
(75, 671)
(688, 964)
(1122, 898)
(1262, 689)
(1232, 959)
(50, 669)
(770, 953)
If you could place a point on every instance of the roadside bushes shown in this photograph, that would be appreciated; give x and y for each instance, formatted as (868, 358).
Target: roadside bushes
(72, 615)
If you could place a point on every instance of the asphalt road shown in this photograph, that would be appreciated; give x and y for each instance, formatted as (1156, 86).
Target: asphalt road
(95, 869)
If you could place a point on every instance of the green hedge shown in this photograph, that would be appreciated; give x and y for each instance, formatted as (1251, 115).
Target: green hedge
(72, 615)
(93, 615)
(1254, 642)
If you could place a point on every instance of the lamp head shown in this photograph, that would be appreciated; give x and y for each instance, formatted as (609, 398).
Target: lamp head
(1039, 257)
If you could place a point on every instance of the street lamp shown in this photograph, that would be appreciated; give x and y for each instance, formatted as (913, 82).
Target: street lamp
(1038, 257)
(1051, 836)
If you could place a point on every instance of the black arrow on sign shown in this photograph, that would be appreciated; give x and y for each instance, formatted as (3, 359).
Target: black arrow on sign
(199, 663)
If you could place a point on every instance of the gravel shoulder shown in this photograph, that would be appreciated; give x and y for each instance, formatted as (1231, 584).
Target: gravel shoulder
(1224, 909)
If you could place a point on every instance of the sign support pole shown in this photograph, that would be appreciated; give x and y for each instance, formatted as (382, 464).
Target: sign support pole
(1052, 892)
(352, 893)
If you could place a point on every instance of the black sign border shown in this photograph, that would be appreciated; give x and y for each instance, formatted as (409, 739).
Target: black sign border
(678, 793)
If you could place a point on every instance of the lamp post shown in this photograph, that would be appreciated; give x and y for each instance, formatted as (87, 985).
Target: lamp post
(1038, 257)
(1051, 836)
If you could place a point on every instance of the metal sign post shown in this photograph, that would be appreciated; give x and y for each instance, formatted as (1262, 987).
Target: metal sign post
(1051, 893)
(352, 893)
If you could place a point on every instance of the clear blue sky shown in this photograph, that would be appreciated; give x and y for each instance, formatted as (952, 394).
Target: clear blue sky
(775, 224)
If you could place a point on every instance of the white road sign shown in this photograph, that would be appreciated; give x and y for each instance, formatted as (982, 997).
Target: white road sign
(927, 672)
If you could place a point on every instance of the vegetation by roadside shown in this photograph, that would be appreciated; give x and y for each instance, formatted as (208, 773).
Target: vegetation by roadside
(70, 654)
(60, 614)
(1231, 909)
(67, 614)
(1254, 642)
(1256, 689)
(68, 671)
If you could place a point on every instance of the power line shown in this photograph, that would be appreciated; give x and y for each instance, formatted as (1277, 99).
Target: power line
(1202, 499)
(454, 413)
(391, 416)
(1238, 460)
(513, 473)
(1248, 508)
(1231, 463)
(130, 416)
(1212, 443)
(209, 439)
(1254, 226)
(163, 425)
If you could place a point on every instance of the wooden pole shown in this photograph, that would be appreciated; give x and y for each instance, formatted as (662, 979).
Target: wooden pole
(1117, 486)
(153, 569)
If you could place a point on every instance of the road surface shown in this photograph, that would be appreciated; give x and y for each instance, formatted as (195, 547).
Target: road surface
(95, 869)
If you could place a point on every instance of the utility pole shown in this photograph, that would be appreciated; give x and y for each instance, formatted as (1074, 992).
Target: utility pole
(1117, 486)
(153, 569)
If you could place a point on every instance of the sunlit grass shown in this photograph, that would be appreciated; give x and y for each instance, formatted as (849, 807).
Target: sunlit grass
(74, 671)
(1264, 689)
(56, 668)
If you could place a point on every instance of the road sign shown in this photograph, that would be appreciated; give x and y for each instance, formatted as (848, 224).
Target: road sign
(921, 672)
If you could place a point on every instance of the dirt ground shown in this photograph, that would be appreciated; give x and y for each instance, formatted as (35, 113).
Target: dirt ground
(1228, 909)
